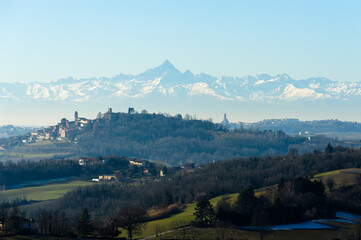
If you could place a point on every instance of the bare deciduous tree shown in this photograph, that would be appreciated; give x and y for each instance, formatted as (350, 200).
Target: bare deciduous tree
(132, 218)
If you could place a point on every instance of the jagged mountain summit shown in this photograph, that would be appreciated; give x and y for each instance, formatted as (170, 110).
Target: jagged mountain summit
(166, 80)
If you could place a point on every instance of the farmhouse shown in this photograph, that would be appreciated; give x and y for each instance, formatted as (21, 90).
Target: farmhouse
(86, 160)
(107, 177)
(139, 163)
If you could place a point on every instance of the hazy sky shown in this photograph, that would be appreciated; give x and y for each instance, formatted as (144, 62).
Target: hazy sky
(47, 40)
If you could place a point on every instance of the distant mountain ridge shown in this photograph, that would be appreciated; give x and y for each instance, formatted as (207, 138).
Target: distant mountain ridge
(167, 81)
(10, 130)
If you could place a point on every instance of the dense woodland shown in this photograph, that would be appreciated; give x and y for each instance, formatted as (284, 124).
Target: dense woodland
(175, 140)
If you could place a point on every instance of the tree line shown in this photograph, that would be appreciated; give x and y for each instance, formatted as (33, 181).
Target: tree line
(13, 173)
(57, 223)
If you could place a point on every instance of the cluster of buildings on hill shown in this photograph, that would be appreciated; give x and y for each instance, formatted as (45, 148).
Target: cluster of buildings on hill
(142, 164)
(67, 129)
(63, 130)
(147, 168)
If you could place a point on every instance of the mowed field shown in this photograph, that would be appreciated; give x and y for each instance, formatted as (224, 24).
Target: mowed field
(44, 192)
(342, 177)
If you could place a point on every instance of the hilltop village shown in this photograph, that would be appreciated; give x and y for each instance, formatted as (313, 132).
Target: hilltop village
(67, 129)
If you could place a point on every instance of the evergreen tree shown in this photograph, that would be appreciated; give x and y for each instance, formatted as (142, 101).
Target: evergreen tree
(84, 225)
(246, 202)
(204, 213)
(329, 149)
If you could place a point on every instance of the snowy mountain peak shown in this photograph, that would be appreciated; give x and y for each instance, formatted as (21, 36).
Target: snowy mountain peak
(165, 68)
(167, 65)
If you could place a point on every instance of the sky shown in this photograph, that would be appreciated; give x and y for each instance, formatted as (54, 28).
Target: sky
(47, 40)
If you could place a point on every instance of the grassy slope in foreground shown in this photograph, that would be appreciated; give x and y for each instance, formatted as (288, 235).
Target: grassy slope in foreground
(45, 192)
(174, 221)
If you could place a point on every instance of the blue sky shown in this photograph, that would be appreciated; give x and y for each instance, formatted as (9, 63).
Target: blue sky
(47, 40)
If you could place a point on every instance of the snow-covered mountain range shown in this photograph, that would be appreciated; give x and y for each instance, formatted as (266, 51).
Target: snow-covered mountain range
(166, 80)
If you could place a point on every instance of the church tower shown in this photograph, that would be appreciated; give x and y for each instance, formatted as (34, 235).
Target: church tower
(225, 121)
(76, 116)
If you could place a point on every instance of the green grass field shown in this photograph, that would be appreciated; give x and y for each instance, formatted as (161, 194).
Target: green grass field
(44, 143)
(21, 155)
(341, 177)
(328, 173)
(45, 192)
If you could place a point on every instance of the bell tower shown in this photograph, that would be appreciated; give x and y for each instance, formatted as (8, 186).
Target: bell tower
(76, 116)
